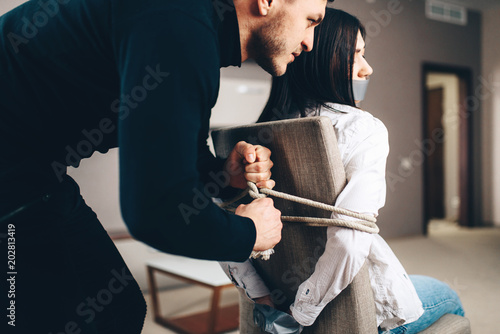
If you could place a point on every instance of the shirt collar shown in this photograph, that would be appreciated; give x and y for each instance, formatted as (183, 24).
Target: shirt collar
(229, 33)
(344, 108)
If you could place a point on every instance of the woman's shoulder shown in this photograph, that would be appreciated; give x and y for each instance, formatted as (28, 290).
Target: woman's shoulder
(352, 121)
(369, 122)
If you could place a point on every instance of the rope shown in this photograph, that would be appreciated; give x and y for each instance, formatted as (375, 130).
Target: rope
(365, 223)
(367, 219)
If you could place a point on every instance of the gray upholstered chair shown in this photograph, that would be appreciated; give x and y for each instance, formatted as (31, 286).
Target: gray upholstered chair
(307, 164)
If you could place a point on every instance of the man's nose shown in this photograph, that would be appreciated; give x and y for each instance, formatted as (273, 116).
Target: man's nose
(308, 41)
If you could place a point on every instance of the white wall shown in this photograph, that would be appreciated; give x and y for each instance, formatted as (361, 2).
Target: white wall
(491, 116)
(6, 5)
(98, 181)
(240, 101)
(450, 121)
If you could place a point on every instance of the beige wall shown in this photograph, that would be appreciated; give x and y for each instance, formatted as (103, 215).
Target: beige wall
(449, 83)
(491, 117)
(401, 39)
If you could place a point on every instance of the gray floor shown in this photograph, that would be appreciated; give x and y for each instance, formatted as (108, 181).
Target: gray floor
(467, 259)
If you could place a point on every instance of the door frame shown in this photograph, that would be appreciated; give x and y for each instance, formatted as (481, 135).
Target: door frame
(466, 189)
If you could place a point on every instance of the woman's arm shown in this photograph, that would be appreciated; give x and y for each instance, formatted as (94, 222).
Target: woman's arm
(364, 156)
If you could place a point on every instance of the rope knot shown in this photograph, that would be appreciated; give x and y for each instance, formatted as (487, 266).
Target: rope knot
(254, 191)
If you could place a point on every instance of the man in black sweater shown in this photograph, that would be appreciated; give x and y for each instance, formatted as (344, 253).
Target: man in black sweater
(79, 76)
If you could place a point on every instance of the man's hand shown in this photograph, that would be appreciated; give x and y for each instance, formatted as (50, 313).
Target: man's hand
(249, 162)
(267, 220)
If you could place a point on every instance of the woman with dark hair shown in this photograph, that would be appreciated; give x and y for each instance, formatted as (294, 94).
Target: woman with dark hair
(329, 81)
(318, 79)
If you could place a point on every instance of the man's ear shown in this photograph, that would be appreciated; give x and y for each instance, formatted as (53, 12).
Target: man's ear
(265, 6)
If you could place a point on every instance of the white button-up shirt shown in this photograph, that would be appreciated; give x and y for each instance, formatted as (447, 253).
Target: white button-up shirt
(363, 144)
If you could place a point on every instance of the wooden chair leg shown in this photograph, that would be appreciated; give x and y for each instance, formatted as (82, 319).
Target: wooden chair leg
(214, 310)
(153, 289)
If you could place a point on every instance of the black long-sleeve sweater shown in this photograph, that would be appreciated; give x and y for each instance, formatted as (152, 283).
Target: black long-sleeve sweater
(79, 76)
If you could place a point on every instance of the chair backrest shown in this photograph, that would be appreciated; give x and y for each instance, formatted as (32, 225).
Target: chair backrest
(307, 163)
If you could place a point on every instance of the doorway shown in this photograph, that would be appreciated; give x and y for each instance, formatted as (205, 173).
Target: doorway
(447, 141)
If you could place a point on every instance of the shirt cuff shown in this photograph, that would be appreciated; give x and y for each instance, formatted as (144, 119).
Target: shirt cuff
(257, 291)
(304, 313)
(244, 276)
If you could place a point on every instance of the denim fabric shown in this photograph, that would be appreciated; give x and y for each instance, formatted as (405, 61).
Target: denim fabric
(437, 299)
(70, 276)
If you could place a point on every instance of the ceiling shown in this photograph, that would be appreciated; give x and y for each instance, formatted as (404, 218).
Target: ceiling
(481, 5)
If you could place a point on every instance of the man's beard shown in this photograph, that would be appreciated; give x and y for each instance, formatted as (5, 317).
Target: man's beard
(266, 44)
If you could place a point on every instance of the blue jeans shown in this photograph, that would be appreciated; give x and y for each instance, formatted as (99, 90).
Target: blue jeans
(437, 299)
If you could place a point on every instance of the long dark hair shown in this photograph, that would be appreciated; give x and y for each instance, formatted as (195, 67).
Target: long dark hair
(320, 76)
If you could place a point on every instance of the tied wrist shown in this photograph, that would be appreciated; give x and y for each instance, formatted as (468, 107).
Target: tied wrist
(305, 314)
